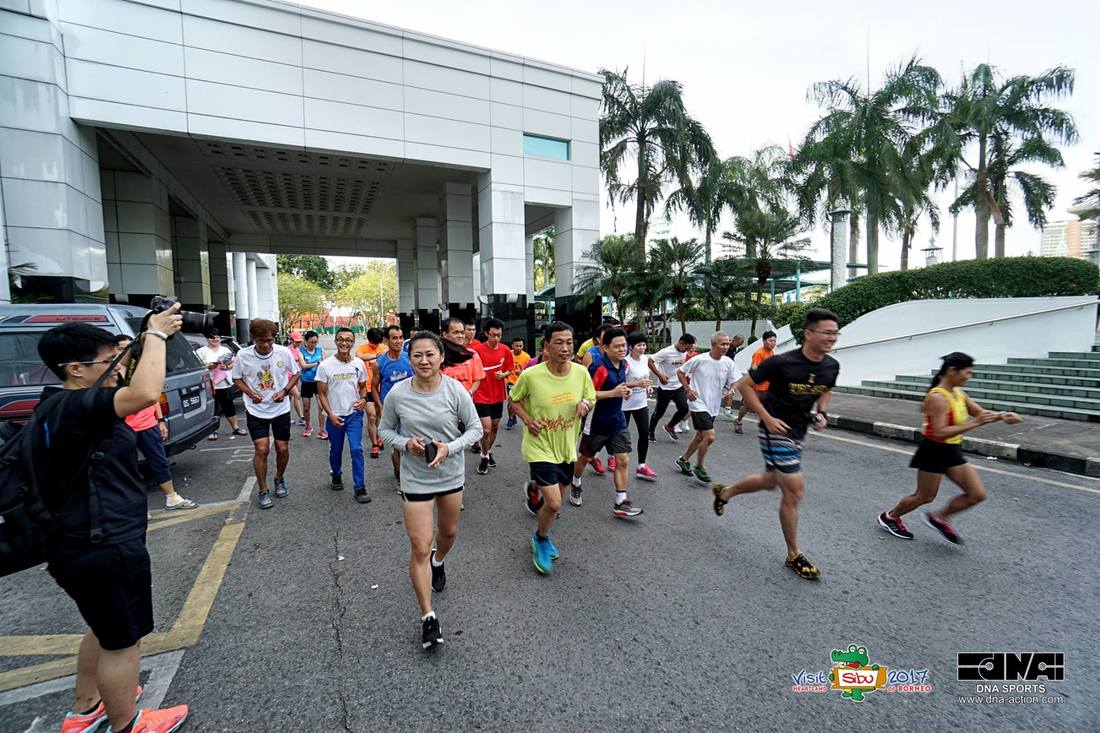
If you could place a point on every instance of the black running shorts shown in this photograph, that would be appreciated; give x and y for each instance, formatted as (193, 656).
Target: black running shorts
(702, 420)
(491, 410)
(617, 443)
(933, 457)
(551, 474)
(260, 428)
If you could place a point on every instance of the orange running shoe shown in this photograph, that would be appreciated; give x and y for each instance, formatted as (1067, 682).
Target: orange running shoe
(76, 723)
(165, 720)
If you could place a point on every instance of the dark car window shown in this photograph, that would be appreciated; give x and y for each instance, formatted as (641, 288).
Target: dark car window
(20, 363)
(180, 354)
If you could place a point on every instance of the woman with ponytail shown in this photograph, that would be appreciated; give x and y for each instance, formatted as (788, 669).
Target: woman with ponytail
(948, 413)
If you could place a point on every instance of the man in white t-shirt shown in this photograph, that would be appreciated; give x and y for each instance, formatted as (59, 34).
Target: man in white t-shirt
(265, 373)
(663, 365)
(341, 388)
(219, 360)
(707, 380)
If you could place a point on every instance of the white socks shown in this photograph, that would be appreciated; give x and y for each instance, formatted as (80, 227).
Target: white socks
(620, 497)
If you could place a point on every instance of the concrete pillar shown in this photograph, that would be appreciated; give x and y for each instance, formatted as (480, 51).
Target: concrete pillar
(191, 261)
(576, 229)
(253, 294)
(426, 237)
(501, 222)
(49, 167)
(529, 265)
(219, 276)
(406, 276)
(839, 246)
(456, 243)
(240, 296)
(267, 289)
(139, 241)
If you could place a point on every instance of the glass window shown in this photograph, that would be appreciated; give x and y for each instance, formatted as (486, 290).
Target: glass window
(545, 147)
(179, 354)
(20, 364)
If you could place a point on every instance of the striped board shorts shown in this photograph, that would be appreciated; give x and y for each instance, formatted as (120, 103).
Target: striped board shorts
(781, 453)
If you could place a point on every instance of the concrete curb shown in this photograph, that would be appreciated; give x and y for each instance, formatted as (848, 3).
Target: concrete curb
(1005, 451)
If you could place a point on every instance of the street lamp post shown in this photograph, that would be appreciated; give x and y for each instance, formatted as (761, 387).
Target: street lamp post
(932, 252)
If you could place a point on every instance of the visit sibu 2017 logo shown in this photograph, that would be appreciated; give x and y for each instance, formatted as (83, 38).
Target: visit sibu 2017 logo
(855, 675)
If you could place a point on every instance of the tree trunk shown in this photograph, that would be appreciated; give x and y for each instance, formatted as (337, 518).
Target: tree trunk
(872, 243)
(906, 243)
(853, 243)
(706, 251)
(981, 204)
(680, 315)
(639, 214)
(999, 240)
(756, 310)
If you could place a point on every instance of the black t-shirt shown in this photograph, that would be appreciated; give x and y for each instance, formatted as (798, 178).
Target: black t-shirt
(794, 384)
(123, 504)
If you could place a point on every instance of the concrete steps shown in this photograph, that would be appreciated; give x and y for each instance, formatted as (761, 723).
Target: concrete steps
(1065, 385)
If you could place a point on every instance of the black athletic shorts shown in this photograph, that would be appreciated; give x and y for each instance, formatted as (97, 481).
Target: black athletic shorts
(430, 496)
(617, 443)
(309, 389)
(702, 421)
(112, 586)
(937, 457)
(260, 427)
(223, 399)
(551, 474)
(491, 410)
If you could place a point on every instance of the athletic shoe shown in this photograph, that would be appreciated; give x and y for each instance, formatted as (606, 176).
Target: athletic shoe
(362, 496)
(625, 510)
(670, 432)
(492, 461)
(86, 723)
(165, 720)
(540, 550)
(430, 635)
(301, 421)
(337, 483)
(941, 526)
(652, 438)
(280, 488)
(737, 428)
(533, 499)
(803, 568)
(323, 435)
(597, 466)
(476, 447)
(727, 415)
(510, 424)
(240, 431)
(701, 474)
(379, 444)
(483, 466)
(574, 495)
(439, 575)
(212, 436)
(181, 504)
(307, 432)
(263, 500)
(611, 464)
(719, 502)
(894, 526)
(374, 451)
(683, 466)
(554, 554)
(683, 427)
(645, 472)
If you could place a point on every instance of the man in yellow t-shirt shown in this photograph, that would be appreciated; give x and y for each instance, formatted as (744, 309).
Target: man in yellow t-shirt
(368, 351)
(552, 400)
(519, 363)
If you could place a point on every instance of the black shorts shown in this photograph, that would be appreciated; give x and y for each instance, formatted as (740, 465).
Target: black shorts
(491, 410)
(223, 399)
(309, 389)
(551, 474)
(429, 497)
(937, 457)
(259, 428)
(702, 421)
(617, 443)
(112, 586)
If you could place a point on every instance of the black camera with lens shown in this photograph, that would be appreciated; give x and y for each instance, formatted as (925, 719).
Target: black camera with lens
(192, 322)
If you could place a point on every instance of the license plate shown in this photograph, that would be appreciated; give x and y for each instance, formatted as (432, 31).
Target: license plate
(191, 401)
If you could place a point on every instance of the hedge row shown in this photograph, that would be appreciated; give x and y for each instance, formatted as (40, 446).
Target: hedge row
(1007, 277)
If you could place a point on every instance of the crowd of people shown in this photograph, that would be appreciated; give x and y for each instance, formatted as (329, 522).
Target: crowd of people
(429, 398)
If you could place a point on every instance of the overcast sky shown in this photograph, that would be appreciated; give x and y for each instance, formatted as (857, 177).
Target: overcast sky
(746, 66)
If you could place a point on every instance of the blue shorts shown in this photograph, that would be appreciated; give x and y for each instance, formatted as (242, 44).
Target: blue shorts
(781, 452)
(151, 446)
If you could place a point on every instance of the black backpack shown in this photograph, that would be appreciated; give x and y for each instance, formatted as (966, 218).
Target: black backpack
(28, 528)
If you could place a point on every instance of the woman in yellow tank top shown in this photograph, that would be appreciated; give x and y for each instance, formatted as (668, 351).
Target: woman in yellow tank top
(948, 413)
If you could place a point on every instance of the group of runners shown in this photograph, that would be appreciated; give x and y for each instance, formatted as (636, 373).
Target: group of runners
(433, 397)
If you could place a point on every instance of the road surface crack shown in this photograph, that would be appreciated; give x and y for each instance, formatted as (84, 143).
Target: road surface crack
(339, 609)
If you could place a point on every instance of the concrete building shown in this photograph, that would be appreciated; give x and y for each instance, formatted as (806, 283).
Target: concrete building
(175, 146)
(1070, 238)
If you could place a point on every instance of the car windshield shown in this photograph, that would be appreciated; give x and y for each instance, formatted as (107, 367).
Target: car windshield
(180, 354)
(19, 361)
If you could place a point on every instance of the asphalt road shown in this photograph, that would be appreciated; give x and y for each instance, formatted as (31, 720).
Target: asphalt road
(679, 620)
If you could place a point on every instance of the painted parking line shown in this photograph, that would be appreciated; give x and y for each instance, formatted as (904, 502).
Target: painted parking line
(185, 631)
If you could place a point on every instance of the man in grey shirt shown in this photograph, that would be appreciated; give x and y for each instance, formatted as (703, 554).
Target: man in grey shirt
(431, 420)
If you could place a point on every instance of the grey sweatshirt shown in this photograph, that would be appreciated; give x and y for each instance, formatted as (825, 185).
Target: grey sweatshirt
(433, 415)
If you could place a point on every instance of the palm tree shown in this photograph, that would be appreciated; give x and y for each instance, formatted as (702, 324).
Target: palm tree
(607, 269)
(543, 260)
(651, 125)
(922, 166)
(996, 116)
(645, 291)
(704, 199)
(678, 261)
(1091, 199)
(857, 144)
(720, 281)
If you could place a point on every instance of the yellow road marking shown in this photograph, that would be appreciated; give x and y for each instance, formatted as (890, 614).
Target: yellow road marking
(187, 515)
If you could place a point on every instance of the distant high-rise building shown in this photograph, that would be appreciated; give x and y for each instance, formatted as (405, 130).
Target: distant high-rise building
(1070, 238)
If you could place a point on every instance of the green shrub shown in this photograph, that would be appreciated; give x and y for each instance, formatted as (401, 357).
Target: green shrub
(1006, 277)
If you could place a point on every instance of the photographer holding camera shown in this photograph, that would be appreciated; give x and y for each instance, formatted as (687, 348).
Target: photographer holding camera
(100, 559)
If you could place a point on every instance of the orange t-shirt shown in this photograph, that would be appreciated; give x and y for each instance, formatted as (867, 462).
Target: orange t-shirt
(467, 372)
(519, 363)
(759, 356)
(369, 349)
(143, 420)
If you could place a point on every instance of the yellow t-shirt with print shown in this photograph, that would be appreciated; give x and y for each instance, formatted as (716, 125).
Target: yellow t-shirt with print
(553, 399)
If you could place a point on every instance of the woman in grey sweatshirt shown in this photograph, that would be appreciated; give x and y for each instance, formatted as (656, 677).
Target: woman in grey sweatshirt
(430, 413)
